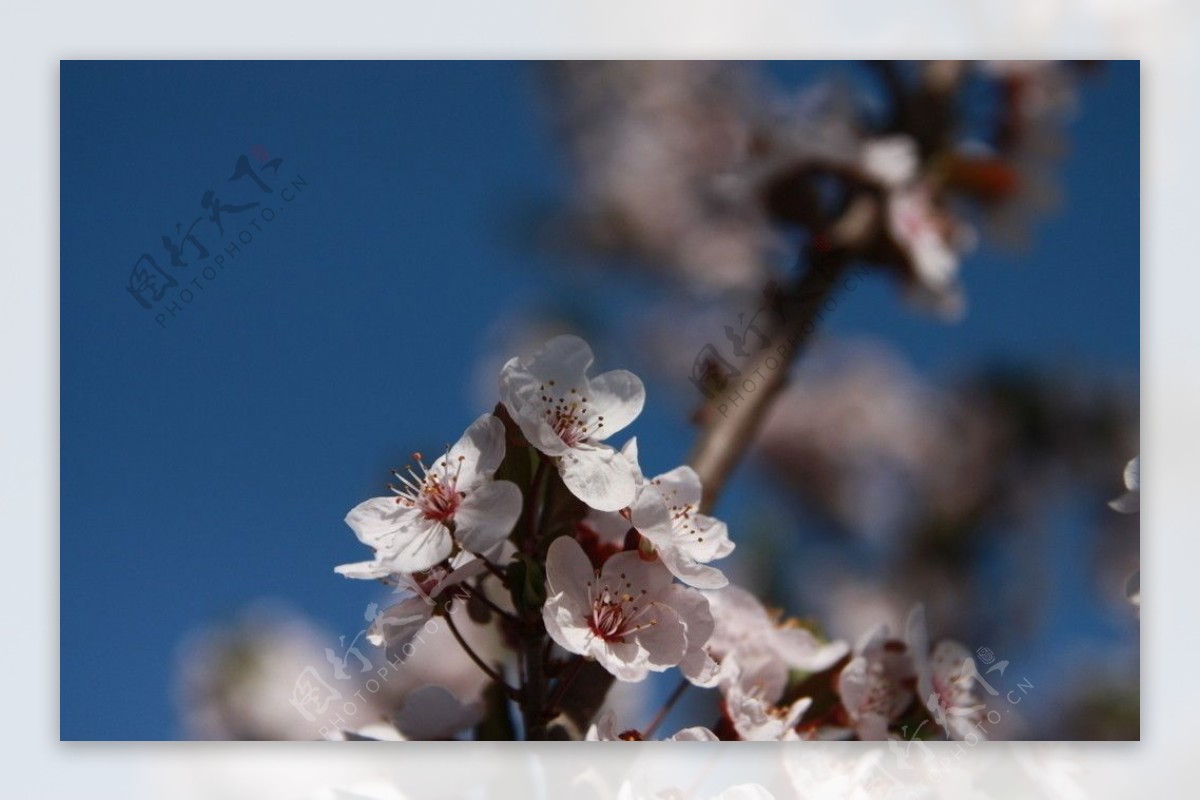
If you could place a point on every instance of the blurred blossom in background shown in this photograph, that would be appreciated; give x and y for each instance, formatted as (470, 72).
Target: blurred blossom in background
(951, 435)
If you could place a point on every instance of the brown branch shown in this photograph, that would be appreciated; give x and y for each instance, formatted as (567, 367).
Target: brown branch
(734, 415)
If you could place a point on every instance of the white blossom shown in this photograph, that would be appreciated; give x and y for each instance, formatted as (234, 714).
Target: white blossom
(945, 680)
(453, 500)
(629, 615)
(605, 729)
(755, 718)
(756, 651)
(876, 686)
(665, 510)
(566, 414)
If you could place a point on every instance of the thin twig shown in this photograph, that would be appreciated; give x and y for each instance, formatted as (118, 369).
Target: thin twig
(479, 594)
(561, 688)
(493, 675)
(666, 708)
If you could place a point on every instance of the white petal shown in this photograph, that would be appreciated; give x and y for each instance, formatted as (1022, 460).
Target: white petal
(364, 570)
(520, 392)
(426, 543)
(694, 734)
(691, 572)
(382, 523)
(680, 486)
(599, 476)
(619, 396)
(481, 448)
(566, 624)
(564, 359)
(487, 515)
(665, 640)
(399, 623)
(568, 569)
(628, 567)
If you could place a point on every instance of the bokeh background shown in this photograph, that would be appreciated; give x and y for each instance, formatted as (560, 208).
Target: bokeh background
(207, 463)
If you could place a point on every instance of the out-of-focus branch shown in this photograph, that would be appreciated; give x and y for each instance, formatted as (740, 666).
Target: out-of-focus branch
(732, 425)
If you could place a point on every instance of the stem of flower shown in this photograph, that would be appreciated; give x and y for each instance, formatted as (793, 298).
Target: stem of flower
(533, 693)
(561, 688)
(479, 594)
(536, 498)
(492, 674)
(666, 708)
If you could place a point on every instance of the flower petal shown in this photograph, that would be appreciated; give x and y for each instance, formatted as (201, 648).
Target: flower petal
(382, 523)
(664, 640)
(487, 515)
(619, 396)
(364, 570)
(478, 451)
(426, 543)
(599, 476)
(564, 359)
(398, 624)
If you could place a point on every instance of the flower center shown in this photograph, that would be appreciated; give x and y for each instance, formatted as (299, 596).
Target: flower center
(569, 415)
(615, 615)
(435, 491)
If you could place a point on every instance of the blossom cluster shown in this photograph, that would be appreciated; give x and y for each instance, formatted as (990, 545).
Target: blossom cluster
(559, 540)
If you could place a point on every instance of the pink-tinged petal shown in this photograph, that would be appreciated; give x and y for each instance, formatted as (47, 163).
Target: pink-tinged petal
(398, 624)
(599, 476)
(851, 685)
(487, 515)
(872, 727)
(619, 396)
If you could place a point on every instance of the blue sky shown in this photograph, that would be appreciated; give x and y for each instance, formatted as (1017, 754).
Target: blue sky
(209, 461)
